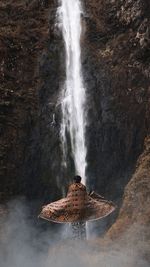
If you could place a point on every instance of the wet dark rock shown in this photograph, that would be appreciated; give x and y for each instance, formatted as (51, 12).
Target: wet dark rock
(117, 75)
(30, 65)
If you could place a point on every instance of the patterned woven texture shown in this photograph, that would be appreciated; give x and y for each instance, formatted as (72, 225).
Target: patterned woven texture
(78, 206)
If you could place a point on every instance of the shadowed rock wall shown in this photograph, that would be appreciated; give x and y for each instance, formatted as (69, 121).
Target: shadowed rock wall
(30, 65)
(116, 62)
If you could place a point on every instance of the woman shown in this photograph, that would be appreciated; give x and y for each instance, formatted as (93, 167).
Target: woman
(77, 208)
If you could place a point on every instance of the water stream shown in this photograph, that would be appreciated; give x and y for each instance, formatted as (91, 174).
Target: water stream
(73, 92)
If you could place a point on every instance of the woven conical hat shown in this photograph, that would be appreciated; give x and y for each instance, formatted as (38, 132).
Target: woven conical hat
(77, 206)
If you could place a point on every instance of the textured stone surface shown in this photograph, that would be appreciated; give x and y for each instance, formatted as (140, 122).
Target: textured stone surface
(29, 85)
(136, 200)
(116, 61)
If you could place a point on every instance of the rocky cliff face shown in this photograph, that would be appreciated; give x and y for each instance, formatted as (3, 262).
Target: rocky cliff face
(115, 57)
(136, 200)
(117, 73)
(30, 65)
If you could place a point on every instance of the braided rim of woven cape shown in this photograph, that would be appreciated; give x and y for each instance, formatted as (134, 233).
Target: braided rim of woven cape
(86, 220)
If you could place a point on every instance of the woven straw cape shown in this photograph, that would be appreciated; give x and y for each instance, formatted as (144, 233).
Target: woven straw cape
(78, 206)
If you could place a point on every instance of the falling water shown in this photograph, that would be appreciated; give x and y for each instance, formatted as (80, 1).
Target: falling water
(73, 94)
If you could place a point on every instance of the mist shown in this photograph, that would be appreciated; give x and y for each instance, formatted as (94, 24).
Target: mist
(23, 243)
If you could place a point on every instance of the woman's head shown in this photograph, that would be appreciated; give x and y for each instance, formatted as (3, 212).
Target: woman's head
(77, 179)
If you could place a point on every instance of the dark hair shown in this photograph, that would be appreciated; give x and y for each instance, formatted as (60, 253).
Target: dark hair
(77, 179)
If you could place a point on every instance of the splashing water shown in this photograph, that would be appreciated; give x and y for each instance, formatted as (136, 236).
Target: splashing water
(73, 94)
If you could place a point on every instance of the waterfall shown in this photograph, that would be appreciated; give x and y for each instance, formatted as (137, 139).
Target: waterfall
(73, 93)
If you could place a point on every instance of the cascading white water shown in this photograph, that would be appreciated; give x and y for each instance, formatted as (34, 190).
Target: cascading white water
(73, 95)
